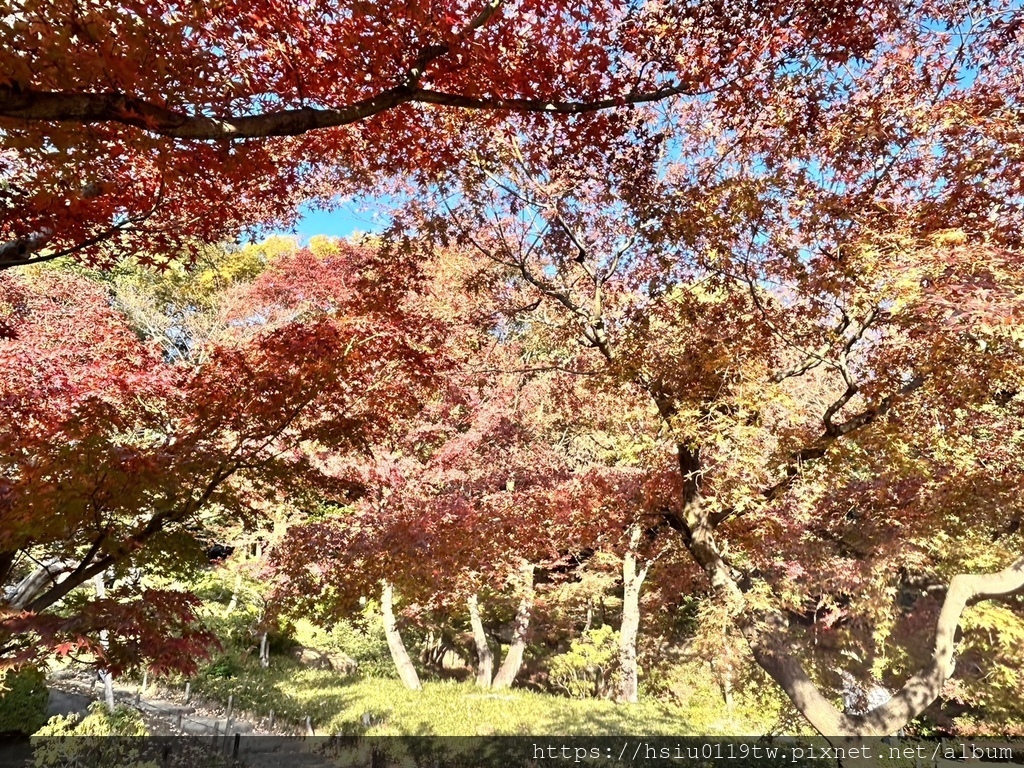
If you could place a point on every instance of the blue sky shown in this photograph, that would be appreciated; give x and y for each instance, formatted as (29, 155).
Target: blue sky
(351, 216)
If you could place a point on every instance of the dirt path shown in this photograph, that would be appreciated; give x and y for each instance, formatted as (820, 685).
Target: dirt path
(74, 693)
(163, 718)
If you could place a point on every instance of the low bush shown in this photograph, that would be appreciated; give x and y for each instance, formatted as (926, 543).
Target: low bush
(590, 668)
(361, 639)
(71, 740)
(364, 640)
(23, 701)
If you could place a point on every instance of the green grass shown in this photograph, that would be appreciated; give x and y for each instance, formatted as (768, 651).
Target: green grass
(341, 704)
(337, 705)
(452, 709)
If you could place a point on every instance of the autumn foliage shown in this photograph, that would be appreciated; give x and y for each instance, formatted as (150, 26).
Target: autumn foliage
(153, 126)
(138, 453)
(727, 294)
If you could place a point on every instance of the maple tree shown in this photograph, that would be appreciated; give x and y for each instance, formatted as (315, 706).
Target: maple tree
(152, 127)
(456, 502)
(820, 295)
(795, 280)
(116, 457)
(509, 472)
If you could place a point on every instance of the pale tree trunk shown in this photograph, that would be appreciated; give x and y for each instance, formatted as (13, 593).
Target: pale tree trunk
(264, 651)
(41, 578)
(233, 603)
(514, 658)
(105, 677)
(918, 693)
(632, 581)
(727, 693)
(406, 670)
(485, 661)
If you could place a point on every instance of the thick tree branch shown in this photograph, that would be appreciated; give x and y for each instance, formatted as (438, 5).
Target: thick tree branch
(29, 587)
(917, 694)
(59, 591)
(57, 106)
(126, 109)
(553, 106)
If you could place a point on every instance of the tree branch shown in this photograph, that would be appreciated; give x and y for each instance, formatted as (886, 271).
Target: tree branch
(39, 240)
(116, 107)
(19, 250)
(917, 694)
(63, 106)
(818, 447)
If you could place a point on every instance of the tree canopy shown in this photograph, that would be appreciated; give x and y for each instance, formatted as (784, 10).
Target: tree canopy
(137, 452)
(150, 125)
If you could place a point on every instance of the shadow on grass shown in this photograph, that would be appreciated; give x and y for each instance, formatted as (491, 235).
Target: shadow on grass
(646, 718)
(338, 704)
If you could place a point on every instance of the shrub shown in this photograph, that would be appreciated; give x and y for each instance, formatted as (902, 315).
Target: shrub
(23, 701)
(74, 741)
(360, 638)
(756, 708)
(235, 630)
(590, 668)
(224, 665)
(364, 641)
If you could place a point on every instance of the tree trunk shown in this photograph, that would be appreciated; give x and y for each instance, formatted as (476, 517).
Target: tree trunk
(406, 670)
(233, 603)
(485, 661)
(916, 695)
(514, 658)
(727, 694)
(105, 676)
(632, 581)
(264, 651)
(765, 633)
(33, 585)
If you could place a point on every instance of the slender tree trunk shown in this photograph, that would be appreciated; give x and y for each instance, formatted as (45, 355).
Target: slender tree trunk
(264, 651)
(514, 658)
(406, 670)
(632, 581)
(105, 676)
(485, 661)
(727, 696)
(233, 603)
(426, 652)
